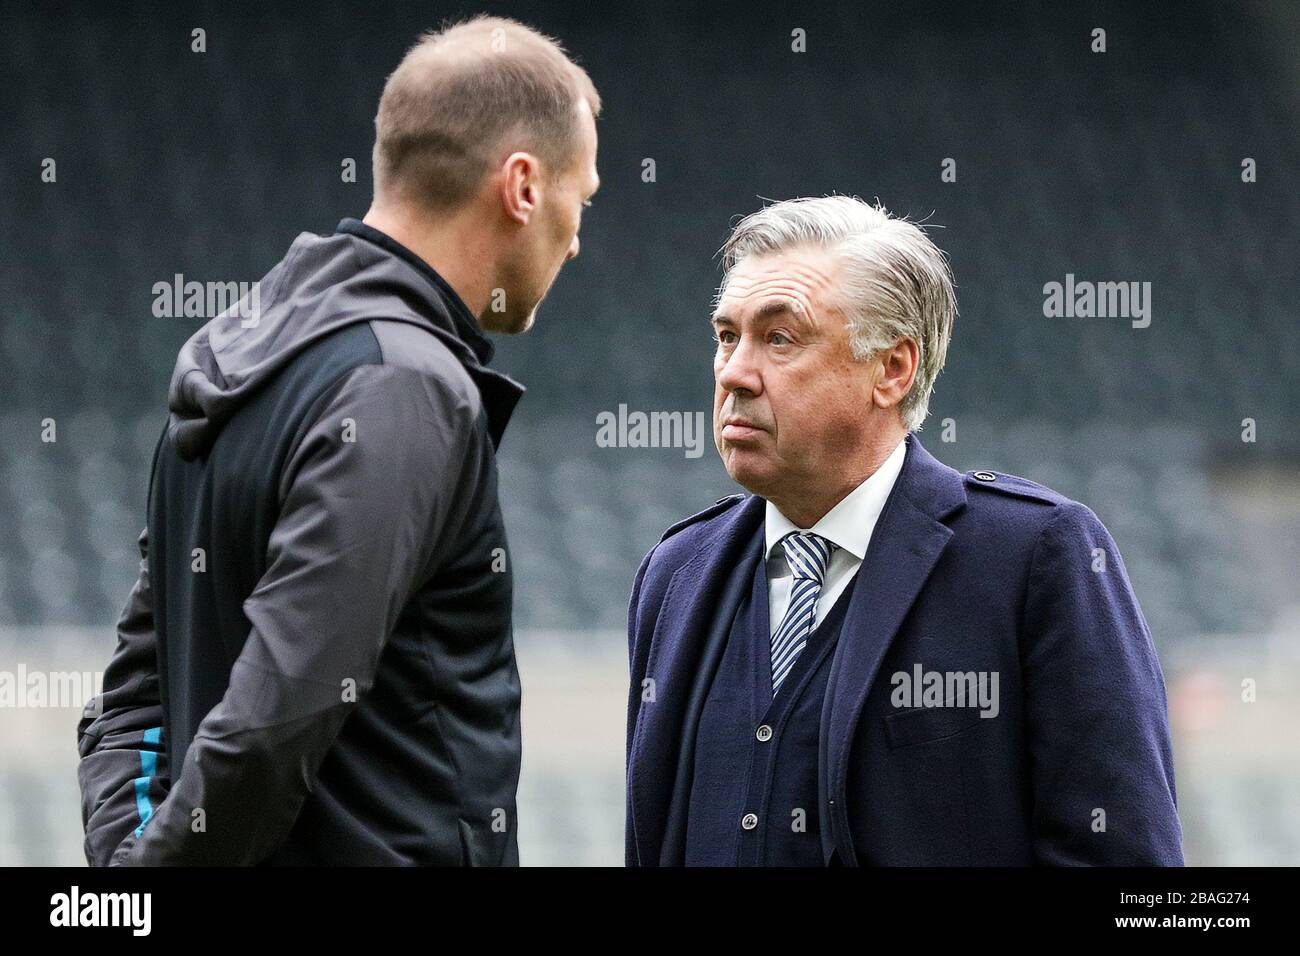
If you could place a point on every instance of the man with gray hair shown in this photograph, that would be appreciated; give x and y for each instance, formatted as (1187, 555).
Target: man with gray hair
(873, 659)
(316, 665)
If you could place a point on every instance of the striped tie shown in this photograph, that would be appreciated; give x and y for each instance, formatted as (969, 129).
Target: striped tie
(807, 554)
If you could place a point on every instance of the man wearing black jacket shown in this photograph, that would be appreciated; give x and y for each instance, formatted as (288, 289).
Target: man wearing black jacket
(316, 664)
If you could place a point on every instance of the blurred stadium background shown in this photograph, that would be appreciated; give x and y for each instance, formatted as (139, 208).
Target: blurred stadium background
(1120, 166)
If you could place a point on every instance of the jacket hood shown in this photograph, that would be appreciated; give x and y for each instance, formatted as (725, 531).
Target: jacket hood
(323, 284)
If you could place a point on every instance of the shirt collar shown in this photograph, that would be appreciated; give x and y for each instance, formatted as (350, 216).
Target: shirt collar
(850, 523)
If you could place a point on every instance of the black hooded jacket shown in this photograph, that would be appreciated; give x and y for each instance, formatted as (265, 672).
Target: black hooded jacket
(316, 665)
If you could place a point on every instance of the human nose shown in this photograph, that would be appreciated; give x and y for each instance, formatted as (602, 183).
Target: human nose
(739, 371)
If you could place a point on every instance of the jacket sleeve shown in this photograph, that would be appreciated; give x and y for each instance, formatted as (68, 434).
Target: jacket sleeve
(122, 771)
(1097, 717)
(636, 673)
(364, 496)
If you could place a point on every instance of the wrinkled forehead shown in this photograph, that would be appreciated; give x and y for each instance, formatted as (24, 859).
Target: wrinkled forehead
(800, 280)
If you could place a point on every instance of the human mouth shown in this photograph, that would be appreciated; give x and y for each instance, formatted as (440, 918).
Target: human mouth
(738, 429)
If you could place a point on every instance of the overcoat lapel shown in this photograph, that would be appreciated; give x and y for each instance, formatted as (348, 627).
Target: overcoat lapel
(906, 544)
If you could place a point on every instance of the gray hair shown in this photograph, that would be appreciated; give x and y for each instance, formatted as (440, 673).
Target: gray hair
(895, 283)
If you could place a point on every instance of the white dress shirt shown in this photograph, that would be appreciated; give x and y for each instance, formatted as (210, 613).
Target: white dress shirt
(849, 525)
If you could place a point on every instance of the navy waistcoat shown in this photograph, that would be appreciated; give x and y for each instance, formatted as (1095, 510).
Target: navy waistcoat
(753, 797)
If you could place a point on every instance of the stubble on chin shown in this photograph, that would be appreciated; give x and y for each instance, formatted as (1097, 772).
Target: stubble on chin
(507, 324)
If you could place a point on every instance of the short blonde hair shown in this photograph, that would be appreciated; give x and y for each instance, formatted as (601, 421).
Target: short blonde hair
(459, 94)
(894, 283)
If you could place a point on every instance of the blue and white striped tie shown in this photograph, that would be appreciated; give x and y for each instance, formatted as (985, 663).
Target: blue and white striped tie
(807, 554)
